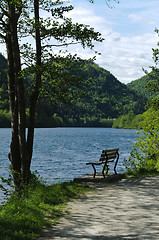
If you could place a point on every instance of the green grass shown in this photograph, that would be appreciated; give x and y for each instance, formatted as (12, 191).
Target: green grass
(23, 217)
(39, 206)
(142, 173)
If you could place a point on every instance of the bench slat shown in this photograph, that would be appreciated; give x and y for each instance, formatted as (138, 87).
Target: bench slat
(110, 150)
(107, 156)
(94, 163)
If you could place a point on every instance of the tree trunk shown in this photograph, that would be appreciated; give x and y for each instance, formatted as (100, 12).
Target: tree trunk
(35, 93)
(19, 104)
(21, 150)
(14, 155)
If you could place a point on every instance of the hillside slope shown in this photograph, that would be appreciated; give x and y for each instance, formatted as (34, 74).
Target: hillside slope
(139, 87)
(105, 98)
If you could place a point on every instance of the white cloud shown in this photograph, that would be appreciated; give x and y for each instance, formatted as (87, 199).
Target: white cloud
(126, 57)
(147, 17)
(135, 18)
(124, 52)
(88, 16)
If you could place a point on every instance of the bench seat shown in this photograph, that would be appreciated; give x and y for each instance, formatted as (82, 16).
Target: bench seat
(107, 156)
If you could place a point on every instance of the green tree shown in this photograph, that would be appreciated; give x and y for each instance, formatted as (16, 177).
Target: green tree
(145, 153)
(15, 23)
(10, 12)
(153, 75)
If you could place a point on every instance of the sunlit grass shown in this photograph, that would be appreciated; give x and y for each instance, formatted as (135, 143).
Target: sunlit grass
(23, 217)
(142, 173)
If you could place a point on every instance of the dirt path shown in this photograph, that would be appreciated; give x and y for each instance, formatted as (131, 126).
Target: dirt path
(128, 209)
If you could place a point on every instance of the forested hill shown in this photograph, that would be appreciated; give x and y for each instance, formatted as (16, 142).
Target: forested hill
(139, 87)
(4, 104)
(3, 70)
(105, 98)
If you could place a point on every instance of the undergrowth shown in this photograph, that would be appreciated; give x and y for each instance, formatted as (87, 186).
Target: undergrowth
(24, 216)
(142, 173)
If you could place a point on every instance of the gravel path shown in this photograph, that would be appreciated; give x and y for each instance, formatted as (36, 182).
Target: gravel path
(128, 209)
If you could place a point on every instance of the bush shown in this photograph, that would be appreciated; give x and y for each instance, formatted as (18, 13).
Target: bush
(145, 153)
(4, 119)
(128, 121)
(24, 215)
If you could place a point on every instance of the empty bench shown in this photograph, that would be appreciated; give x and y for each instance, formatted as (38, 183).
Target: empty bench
(107, 156)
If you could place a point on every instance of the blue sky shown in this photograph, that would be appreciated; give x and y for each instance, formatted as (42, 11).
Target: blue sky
(128, 29)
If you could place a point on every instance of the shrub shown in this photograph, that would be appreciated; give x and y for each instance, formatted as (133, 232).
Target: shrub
(145, 153)
(4, 118)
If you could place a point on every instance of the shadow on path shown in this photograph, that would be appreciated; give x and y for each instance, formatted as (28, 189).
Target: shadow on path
(128, 209)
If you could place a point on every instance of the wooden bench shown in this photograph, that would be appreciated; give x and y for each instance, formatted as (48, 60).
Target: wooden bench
(107, 156)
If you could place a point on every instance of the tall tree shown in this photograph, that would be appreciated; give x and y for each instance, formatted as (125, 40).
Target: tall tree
(10, 14)
(145, 153)
(16, 22)
(153, 75)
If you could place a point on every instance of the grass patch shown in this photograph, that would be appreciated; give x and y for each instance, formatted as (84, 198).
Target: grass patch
(142, 173)
(23, 217)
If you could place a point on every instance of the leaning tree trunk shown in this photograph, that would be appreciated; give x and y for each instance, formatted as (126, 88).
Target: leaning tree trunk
(35, 93)
(21, 107)
(18, 104)
(14, 155)
(20, 150)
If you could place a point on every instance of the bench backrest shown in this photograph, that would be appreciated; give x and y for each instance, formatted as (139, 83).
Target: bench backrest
(109, 155)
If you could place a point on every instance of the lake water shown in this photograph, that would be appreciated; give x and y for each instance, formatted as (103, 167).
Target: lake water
(61, 154)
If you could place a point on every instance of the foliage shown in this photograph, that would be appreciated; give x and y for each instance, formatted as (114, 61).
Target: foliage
(139, 86)
(101, 98)
(24, 216)
(105, 98)
(153, 76)
(4, 118)
(153, 84)
(145, 153)
(129, 121)
(4, 102)
(3, 72)
(46, 72)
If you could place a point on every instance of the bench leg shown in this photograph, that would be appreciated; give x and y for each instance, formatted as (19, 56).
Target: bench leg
(105, 166)
(116, 164)
(115, 170)
(94, 170)
(103, 171)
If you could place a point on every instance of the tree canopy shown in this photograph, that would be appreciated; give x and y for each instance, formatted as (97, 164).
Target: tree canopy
(145, 153)
(101, 99)
(46, 24)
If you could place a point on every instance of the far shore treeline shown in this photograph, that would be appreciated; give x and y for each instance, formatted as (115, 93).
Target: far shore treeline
(104, 102)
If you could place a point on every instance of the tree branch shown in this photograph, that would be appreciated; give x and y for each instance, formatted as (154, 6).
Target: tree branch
(2, 36)
(4, 11)
(60, 45)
